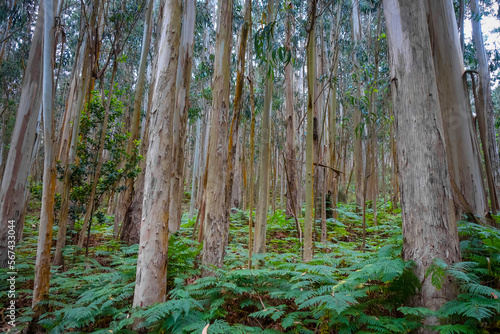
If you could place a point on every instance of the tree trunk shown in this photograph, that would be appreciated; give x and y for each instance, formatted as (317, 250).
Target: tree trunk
(42, 264)
(462, 146)
(125, 198)
(259, 245)
(17, 165)
(181, 115)
(197, 153)
(333, 179)
(131, 225)
(461, 23)
(216, 224)
(290, 155)
(394, 165)
(235, 123)
(429, 220)
(69, 135)
(252, 155)
(150, 283)
(484, 105)
(358, 133)
(309, 219)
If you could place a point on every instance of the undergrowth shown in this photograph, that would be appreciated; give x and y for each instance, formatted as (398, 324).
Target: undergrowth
(344, 289)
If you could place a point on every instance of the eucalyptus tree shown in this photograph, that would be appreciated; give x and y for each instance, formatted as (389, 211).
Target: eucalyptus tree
(290, 152)
(429, 219)
(216, 222)
(180, 119)
(126, 197)
(17, 167)
(150, 284)
(42, 264)
(265, 143)
(237, 105)
(461, 140)
(358, 144)
(311, 49)
(484, 110)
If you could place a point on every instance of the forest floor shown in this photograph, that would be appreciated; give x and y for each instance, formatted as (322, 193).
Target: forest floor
(344, 289)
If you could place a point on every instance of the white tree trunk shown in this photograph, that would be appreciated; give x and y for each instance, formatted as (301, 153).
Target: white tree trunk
(42, 264)
(150, 283)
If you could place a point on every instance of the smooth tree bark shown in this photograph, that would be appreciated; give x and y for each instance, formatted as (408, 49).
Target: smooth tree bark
(252, 155)
(429, 220)
(17, 167)
(216, 222)
(125, 197)
(461, 140)
(150, 283)
(130, 228)
(358, 133)
(259, 245)
(181, 115)
(484, 107)
(309, 219)
(290, 154)
(333, 180)
(235, 123)
(42, 264)
(196, 164)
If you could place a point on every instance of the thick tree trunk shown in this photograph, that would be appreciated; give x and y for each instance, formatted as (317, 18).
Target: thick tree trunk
(484, 104)
(17, 165)
(216, 224)
(259, 245)
(150, 283)
(42, 264)
(429, 220)
(462, 146)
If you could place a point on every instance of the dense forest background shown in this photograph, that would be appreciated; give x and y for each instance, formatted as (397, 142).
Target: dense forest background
(239, 166)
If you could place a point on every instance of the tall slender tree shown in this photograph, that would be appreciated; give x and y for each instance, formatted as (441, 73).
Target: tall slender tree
(290, 155)
(17, 167)
(42, 265)
(309, 218)
(461, 141)
(181, 114)
(216, 222)
(484, 109)
(150, 284)
(358, 143)
(265, 153)
(125, 198)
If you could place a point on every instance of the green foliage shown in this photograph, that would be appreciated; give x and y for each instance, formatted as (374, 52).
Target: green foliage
(118, 166)
(342, 290)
